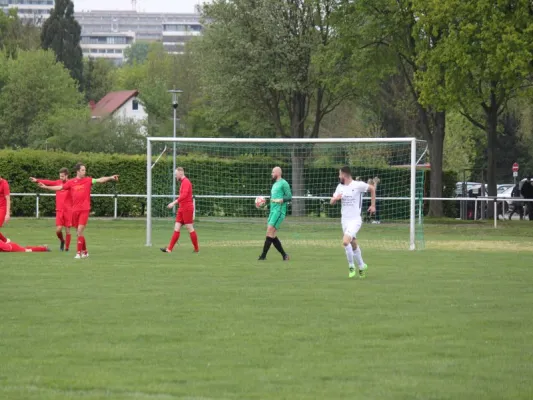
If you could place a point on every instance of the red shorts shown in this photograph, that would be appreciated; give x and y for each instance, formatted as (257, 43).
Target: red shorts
(185, 216)
(80, 218)
(2, 217)
(64, 218)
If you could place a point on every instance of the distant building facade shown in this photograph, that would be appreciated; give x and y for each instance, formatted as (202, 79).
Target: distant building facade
(33, 11)
(177, 33)
(146, 26)
(109, 45)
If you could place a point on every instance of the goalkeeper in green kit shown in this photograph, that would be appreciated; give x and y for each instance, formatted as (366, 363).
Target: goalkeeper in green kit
(279, 197)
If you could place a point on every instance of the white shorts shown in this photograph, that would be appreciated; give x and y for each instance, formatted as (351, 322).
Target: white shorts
(351, 227)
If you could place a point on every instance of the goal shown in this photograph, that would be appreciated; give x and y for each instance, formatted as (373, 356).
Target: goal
(227, 174)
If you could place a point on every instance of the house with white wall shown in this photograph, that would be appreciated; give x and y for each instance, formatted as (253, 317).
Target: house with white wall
(123, 105)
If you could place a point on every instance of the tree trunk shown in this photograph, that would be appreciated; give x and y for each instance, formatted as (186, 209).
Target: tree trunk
(298, 183)
(492, 133)
(436, 149)
(298, 153)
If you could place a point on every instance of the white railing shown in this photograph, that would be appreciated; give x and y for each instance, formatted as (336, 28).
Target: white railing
(476, 200)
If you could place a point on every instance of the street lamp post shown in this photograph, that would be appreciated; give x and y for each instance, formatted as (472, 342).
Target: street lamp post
(175, 94)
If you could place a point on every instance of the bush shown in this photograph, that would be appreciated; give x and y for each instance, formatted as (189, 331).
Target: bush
(245, 175)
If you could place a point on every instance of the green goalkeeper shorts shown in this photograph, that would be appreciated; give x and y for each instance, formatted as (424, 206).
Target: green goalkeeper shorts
(275, 219)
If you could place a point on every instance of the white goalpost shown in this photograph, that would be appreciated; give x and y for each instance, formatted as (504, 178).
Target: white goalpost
(228, 173)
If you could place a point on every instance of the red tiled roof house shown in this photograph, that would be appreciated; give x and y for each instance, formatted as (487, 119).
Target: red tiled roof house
(123, 105)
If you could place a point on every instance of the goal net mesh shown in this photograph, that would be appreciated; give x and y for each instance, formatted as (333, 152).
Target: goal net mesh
(227, 177)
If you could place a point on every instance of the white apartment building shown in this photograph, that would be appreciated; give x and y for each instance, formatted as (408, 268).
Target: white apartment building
(34, 11)
(147, 26)
(177, 33)
(109, 45)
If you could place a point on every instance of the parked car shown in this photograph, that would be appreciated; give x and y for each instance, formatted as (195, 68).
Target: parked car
(469, 185)
(503, 187)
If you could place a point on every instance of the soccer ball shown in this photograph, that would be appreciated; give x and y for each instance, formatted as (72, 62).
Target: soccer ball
(260, 202)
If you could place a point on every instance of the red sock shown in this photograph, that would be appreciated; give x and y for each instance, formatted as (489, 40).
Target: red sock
(79, 246)
(174, 240)
(37, 248)
(3, 238)
(194, 240)
(84, 248)
(67, 242)
(60, 236)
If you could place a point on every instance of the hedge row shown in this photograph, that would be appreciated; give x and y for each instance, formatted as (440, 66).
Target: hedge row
(244, 175)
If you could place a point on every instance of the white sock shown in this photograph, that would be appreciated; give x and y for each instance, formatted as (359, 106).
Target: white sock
(358, 257)
(349, 254)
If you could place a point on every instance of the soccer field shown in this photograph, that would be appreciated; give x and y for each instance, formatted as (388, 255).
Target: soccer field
(451, 322)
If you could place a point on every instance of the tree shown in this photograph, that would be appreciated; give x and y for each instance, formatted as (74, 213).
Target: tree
(35, 85)
(274, 60)
(97, 78)
(390, 26)
(485, 53)
(15, 35)
(61, 33)
(137, 53)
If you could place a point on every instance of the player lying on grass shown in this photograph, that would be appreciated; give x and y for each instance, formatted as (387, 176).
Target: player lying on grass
(80, 191)
(350, 193)
(279, 197)
(185, 214)
(5, 206)
(11, 247)
(63, 208)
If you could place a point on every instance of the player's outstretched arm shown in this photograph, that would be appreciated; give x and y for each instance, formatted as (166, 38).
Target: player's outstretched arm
(46, 182)
(372, 190)
(52, 188)
(106, 179)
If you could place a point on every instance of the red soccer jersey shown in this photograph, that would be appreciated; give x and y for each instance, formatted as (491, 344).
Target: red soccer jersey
(4, 191)
(63, 197)
(80, 193)
(185, 198)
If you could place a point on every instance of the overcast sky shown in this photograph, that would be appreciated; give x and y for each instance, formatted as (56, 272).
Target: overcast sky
(186, 6)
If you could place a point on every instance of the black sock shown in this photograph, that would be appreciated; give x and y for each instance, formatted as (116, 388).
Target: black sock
(266, 247)
(278, 246)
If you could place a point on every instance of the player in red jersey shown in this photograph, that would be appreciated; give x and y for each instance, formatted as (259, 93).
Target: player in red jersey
(63, 208)
(5, 205)
(11, 247)
(80, 192)
(185, 214)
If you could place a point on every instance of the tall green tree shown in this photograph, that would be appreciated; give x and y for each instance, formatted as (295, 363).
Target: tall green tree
(97, 78)
(274, 60)
(35, 85)
(390, 27)
(137, 53)
(482, 61)
(61, 33)
(15, 35)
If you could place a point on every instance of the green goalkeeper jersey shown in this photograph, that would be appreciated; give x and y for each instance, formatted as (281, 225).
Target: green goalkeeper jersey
(280, 190)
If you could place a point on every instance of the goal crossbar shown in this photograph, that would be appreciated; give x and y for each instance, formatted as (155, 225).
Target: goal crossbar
(406, 140)
(278, 140)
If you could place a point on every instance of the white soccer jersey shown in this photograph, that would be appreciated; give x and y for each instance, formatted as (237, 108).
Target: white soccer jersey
(352, 199)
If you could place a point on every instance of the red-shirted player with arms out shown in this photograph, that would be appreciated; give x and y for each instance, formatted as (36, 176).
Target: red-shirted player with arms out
(63, 208)
(80, 191)
(5, 206)
(12, 247)
(185, 214)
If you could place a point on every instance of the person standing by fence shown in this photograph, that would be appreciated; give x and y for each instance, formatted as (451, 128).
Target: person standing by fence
(527, 193)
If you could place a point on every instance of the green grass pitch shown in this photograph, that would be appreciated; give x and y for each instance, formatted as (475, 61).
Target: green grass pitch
(451, 322)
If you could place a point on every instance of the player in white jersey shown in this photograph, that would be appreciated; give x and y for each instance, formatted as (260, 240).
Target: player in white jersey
(350, 193)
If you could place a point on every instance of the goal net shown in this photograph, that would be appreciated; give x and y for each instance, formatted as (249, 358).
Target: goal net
(228, 174)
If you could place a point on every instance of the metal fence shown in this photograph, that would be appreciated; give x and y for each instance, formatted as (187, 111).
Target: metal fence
(478, 202)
